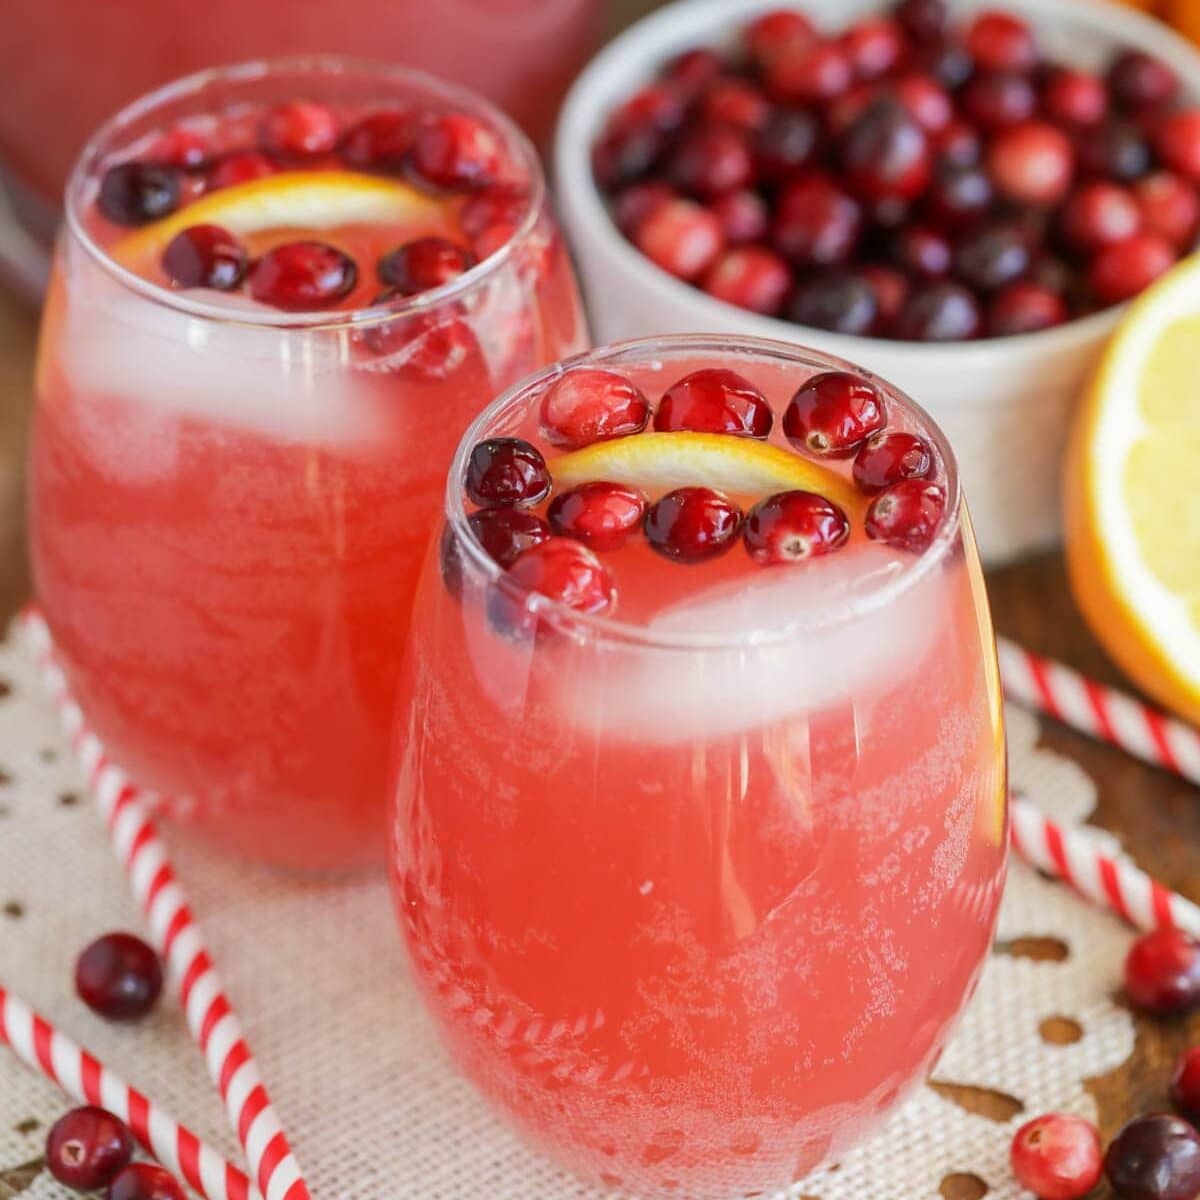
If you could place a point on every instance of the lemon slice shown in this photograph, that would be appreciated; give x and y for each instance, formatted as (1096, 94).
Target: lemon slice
(291, 199)
(1132, 503)
(660, 462)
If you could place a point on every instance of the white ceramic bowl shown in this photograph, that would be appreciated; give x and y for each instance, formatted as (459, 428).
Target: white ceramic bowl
(1005, 403)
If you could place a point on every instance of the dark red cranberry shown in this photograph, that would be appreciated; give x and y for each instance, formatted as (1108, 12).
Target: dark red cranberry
(710, 160)
(144, 1181)
(428, 346)
(1122, 270)
(992, 256)
(1178, 143)
(379, 142)
(205, 256)
(691, 524)
(1155, 1157)
(693, 70)
(874, 45)
(938, 312)
(787, 143)
(119, 977)
(888, 458)
(240, 167)
(428, 262)
(1185, 1084)
(816, 223)
(1162, 972)
(833, 413)
(1032, 163)
(506, 470)
(1024, 308)
(300, 276)
(737, 103)
(298, 129)
(945, 60)
(840, 301)
(1051, 273)
(86, 1147)
(751, 277)
(922, 251)
(847, 108)
(891, 289)
(958, 197)
(590, 405)
(714, 400)
(622, 156)
(999, 41)
(886, 154)
(922, 20)
(632, 205)
(997, 99)
(136, 193)
(793, 526)
(743, 215)
(1139, 80)
(1057, 1156)
(599, 514)
(809, 73)
(188, 149)
(1114, 150)
(1169, 207)
(456, 151)
(1098, 214)
(907, 514)
(1074, 97)
(926, 99)
(561, 569)
(681, 237)
(775, 31)
(958, 145)
(505, 532)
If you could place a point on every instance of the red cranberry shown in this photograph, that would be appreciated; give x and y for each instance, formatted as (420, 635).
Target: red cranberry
(999, 41)
(691, 524)
(1057, 1156)
(87, 1147)
(1178, 143)
(1162, 972)
(710, 160)
(1139, 80)
(793, 526)
(428, 346)
(693, 70)
(812, 72)
(635, 203)
(298, 129)
(946, 61)
(1122, 270)
(1115, 150)
(240, 167)
(907, 514)
(775, 31)
(561, 569)
(379, 142)
(890, 287)
(505, 532)
(500, 204)
(737, 103)
(816, 223)
(887, 458)
(743, 215)
(1185, 1084)
(886, 154)
(1051, 273)
(833, 413)
(839, 301)
(135, 193)
(922, 251)
(926, 100)
(959, 144)
(1099, 214)
(786, 144)
(456, 151)
(997, 99)
(188, 149)
(847, 108)
(299, 276)
(144, 1181)
(992, 256)
(1169, 207)
(506, 470)
(589, 405)
(599, 514)
(958, 196)
(428, 262)
(1074, 97)
(119, 977)
(624, 155)
(681, 237)
(1032, 163)
(714, 400)
(205, 256)
(1024, 308)
(1155, 1157)
(874, 45)
(657, 107)
(922, 19)
(751, 277)
(939, 312)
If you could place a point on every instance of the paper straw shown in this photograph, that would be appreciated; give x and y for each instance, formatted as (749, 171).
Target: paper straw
(1101, 712)
(38, 1044)
(210, 1015)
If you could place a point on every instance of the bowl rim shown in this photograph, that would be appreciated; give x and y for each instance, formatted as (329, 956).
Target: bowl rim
(688, 23)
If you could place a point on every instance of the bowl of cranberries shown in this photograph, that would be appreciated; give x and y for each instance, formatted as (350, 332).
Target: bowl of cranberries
(961, 195)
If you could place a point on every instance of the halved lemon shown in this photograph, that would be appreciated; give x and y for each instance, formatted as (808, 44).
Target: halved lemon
(1132, 494)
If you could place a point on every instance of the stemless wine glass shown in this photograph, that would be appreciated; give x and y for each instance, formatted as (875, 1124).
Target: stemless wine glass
(230, 499)
(696, 894)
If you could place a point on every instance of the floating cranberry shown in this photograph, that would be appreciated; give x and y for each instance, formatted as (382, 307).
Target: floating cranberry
(86, 1147)
(301, 276)
(922, 251)
(775, 31)
(939, 312)
(1032, 163)
(998, 99)
(119, 977)
(681, 237)
(1178, 143)
(1074, 97)
(144, 1181)
(499, 205)
(743, 216)
(816, 223)
(714, 400)
(1122, 270)
(599, 514)
(886, 154)
(922, 19)
(999, 41)
(1185, 1084)
(632, 205)
(298, 129)
(711, 160)
(1169, 206)
(887, 458)
(1155, 1157)
(456, 151)
(809, 73)
(926, 99)
(958, 197)
(786, 144)
(691, 524)
(1098, 214)
(793, 526)
(1057, 1156)
(1114, 150)
(874, 45)
(561, 569)
(992, 256)
(429, 346)
(428, 262)
(506, 470)
(959, 144)
(737, 103)
(590, 405)
(240, 167)
(840, 301)
(205, 256)
(505, 532)
(1162, 972)
(1139, 80)
(693, 70)
(907, 514)
(135, 193)
(833, 413)
(891, 289)
(751, 277)
(1024, 308)
(380, 141)
(188, 149)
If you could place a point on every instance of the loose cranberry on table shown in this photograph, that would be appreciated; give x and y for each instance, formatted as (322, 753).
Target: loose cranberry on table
(692, 524)
(907, 514)
(793, 526)
(298, 130)
(119, 977)
(144, 1181)
(1155, 1157)
(598, 513)
(301, 276)
(506, 470)
(590, 405)
(714, 400)
(205, 256)
(833, 413)
(1162, 972)
(1057, 1156)
(86, 1147)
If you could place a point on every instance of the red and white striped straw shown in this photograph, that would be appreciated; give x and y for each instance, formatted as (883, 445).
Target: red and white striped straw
(38, 1044)
(210, 1015)
(1101, 712)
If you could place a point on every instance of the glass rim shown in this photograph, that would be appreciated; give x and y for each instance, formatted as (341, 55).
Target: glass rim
(330, 65)
(613, 629)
